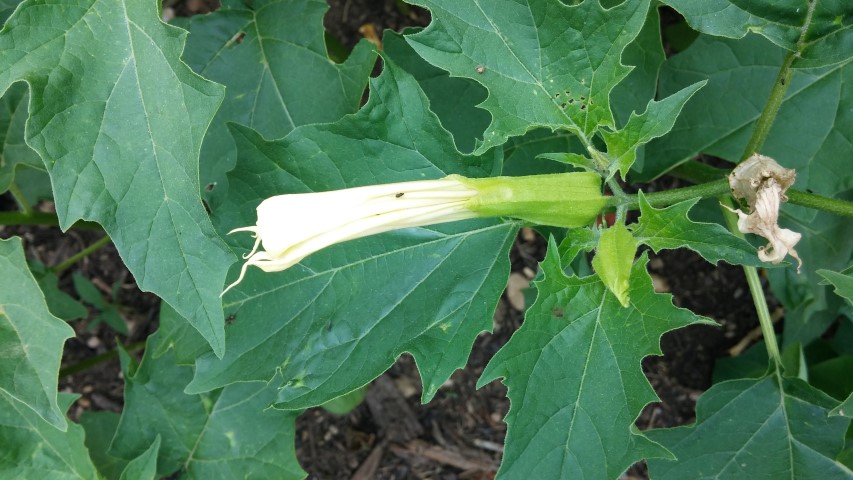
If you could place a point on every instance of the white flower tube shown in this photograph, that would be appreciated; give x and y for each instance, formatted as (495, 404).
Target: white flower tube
(291, 227)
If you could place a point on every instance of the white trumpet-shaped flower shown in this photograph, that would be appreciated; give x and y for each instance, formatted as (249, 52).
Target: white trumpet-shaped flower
(291, 227)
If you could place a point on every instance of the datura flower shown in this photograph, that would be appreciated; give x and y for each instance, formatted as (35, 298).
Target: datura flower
(762, 183)
(291, 227)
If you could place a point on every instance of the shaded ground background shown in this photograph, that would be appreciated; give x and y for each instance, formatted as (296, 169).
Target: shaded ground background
(391, 435)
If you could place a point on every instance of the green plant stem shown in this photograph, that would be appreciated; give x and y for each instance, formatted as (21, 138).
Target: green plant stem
(41, 218)
(696, 172)
(670, 197)
(819, 202)
(755, 290)
(80, 255)
(756, 141)
(771, 108)
(90, 362)
(19, 197)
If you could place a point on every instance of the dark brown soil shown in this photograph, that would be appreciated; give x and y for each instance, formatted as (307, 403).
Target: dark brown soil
(391, 435)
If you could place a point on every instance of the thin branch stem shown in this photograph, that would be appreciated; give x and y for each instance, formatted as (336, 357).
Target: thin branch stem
(70, 261)
(756, 141)
(696, 172)
(91, 362)
(19, 197)
(670, 197)
(771, 108)
(755, 290)
(777, 94)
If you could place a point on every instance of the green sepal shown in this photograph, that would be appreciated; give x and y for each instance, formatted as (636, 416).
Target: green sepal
(561, 199)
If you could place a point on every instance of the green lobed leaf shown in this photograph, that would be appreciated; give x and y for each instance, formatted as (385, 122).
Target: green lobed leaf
(669, 228)
(574, 375)
(827, 39)
(14, 151)
(31, 338)
(271, 56)
(118, 119)
(454, 100)
(225, 434)
(614, 258)
(431, 290)
(843, 283)
(811, 132)
(764, 428)
(646, 55)
(32, 448)
(655, 121)
(143, 467)
(100, 428)
(544, 63)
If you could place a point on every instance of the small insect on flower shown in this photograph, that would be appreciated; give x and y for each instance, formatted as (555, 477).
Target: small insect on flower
(291, 227)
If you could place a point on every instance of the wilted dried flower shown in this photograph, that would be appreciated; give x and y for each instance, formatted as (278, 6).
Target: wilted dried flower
(763, 182)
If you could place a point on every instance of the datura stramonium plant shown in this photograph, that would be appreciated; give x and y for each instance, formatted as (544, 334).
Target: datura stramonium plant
(291, 227)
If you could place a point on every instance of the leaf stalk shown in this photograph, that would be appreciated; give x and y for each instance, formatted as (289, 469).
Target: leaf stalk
(92, 362)
(70, 261)
(19, 197)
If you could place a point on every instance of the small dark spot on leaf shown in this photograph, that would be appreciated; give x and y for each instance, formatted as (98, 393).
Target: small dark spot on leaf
(240, 37)
(210, 186)
(230, 318)
(563, 105)
(557, 312)
(782, 80)
(571, 100)
(206, 207)
(583, 98)
(557, 95)
(399, 195)
(583, 106)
